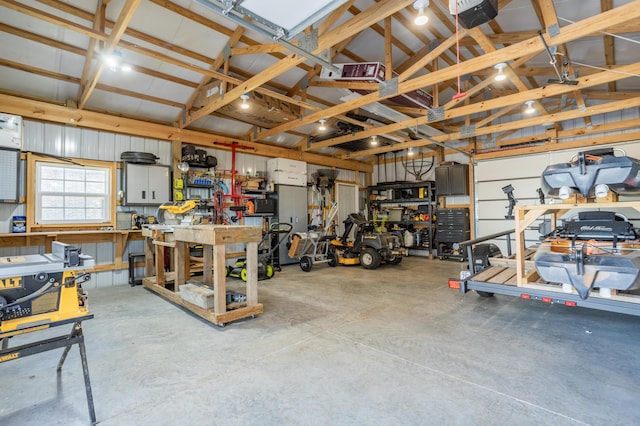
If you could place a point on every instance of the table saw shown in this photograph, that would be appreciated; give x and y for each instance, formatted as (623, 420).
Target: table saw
(40, 289)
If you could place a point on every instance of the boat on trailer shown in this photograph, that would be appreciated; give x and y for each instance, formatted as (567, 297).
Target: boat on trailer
(591, 171)
(594, 249)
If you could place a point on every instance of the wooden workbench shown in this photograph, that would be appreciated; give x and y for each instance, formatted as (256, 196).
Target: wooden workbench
(213, 238)
(119, 238)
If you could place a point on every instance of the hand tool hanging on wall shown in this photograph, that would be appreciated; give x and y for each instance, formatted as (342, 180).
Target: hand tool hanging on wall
(236, 192)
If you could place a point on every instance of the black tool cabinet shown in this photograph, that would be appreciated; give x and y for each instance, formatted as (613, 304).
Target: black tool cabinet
(452, 227)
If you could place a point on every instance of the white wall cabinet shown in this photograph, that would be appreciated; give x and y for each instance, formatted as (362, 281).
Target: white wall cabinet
(146, 184)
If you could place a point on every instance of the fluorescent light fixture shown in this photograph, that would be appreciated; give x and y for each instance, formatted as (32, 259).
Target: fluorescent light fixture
(530, 109)
(500, 67)
(421, 18)
(322, 127)
(244, 104)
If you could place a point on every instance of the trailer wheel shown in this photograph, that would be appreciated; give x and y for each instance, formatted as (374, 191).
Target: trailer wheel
(333, 259)
(306, 263)
(370, 258)
(484, 293)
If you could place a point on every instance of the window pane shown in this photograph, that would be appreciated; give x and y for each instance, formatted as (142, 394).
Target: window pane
(95, 203)
(74, 214)
(96, 188)
(95, 214)
(49, 172)
(48, 185)
(53, 214)
(74, 174)
(74, 202)
(52, 201)
(72, 193)
(96, 176)
(72, 186)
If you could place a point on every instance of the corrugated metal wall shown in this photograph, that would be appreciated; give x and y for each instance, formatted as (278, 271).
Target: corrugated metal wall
(524, 174)
(69, 141)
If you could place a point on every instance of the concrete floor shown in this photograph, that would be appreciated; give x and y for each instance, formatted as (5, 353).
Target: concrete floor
(339, 346)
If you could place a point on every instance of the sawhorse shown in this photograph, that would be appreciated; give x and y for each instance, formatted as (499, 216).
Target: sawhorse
(64, 341)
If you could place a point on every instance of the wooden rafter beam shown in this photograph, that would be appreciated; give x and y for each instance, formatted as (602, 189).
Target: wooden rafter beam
(126, 14)
(528, 47)
(609, 43)
(517, 98)
(76, 80)
(111, 123)
(353, 26)
(514, 125)
(98, 24)
(235, 37)
(82, 52)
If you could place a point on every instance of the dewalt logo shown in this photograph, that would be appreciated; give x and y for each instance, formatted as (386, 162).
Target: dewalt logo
(9, 357)
(7, 283)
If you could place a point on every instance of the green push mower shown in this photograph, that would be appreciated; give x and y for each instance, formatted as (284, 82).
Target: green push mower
(271, 240)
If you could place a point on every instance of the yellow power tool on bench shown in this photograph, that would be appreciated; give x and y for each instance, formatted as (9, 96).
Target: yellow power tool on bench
(177, 212)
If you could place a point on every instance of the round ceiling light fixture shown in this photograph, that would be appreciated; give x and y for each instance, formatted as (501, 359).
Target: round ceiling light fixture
(421, 18)
(530, 109)
(500, 67)
(245, 103)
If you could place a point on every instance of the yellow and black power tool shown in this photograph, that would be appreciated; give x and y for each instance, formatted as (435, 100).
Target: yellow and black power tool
(41, 289)
(179, 212)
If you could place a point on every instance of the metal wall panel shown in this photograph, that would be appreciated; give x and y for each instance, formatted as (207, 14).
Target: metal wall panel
(33, 136)
(53, 140)
(73, 142)
(106, 145)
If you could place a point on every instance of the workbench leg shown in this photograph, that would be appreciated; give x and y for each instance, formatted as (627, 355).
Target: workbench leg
(219, 280)
(252, 274)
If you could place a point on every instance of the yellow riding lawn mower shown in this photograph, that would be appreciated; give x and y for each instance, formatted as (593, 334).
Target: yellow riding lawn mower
(368, 248)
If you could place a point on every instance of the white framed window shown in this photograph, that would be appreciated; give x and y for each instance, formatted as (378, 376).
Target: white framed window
(72, 194)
